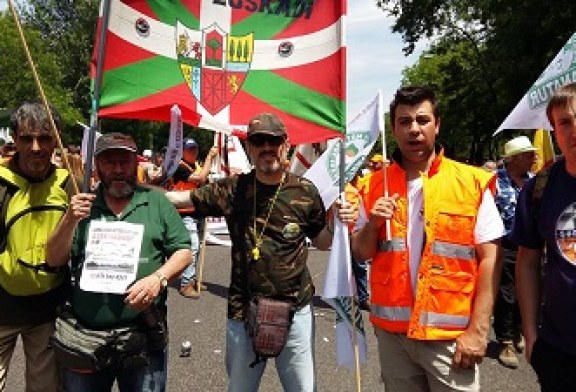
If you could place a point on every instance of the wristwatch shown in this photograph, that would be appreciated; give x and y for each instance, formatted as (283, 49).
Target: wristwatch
(162, 279)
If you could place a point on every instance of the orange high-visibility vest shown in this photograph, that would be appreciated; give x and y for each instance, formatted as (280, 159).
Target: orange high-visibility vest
(447, 276)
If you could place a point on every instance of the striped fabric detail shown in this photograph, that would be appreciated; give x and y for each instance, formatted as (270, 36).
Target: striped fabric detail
(394, 245)
(441, 320)
(454, 251)
(391, 313)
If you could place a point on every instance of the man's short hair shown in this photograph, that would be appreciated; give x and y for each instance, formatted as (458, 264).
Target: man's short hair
(33, 115)
(562, 97)
(413, 95)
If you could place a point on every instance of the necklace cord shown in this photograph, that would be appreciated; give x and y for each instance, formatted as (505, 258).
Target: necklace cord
(258, 237)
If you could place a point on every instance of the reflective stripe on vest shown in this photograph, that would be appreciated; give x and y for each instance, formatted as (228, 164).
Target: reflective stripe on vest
(394, 245)
(391, 313)
(432, 319)
(454, 251)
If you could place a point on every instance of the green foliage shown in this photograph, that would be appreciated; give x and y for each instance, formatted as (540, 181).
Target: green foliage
(484, 57)
(60, 34)
(17, 82)
(455, 70)
(154, 135)
(68, 28)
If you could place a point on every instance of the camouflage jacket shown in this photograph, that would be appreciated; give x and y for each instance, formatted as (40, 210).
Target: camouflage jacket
(281, 269)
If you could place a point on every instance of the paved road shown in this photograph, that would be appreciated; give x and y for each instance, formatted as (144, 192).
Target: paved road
(202, 322)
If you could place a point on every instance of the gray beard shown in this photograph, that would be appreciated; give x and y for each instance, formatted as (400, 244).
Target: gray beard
(124, 191)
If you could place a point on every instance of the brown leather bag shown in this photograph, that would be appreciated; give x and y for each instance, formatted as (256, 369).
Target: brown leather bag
(268, 323)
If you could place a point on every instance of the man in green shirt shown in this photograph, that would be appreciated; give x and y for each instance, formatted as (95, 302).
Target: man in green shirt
(120, 208)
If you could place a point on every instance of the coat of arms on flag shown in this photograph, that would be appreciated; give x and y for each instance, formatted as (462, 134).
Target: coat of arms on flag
(222, 62)
(214, 64)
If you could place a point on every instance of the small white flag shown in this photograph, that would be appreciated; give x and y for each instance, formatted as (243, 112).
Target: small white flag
(339, 292)
(361, 134)
(85, 136)
(174, 150)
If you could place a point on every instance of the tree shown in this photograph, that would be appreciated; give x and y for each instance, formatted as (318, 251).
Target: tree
(454, 69)
(68, 28)
(512, 42)
(17, 83)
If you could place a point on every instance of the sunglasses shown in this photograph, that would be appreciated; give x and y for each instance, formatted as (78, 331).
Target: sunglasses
(260, 140)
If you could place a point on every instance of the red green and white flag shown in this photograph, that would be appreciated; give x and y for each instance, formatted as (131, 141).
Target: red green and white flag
(223, 61)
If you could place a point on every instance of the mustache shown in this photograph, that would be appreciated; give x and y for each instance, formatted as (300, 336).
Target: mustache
(268, 153)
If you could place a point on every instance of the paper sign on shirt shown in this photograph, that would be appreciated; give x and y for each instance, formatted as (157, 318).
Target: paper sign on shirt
(112, 255)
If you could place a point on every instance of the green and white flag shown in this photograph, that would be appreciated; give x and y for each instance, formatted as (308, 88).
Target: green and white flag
(530, 112)
(361, 134)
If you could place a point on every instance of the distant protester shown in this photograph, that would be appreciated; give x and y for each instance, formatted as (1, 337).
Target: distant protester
(519, 156)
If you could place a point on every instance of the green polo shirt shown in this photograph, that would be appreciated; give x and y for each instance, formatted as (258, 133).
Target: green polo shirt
(164, 234)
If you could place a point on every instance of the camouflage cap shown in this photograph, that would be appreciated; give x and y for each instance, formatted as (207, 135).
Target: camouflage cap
(268, 124)
(115, 141)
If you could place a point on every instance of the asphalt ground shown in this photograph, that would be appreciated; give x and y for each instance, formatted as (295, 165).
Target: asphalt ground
(202, 322)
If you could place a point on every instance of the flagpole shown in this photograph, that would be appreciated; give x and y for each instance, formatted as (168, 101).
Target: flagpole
(352, 299)
(344, 13)
(42, 94)
(384, 155)
(96, 94)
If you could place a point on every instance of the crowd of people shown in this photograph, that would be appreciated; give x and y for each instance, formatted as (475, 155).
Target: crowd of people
(440, 248)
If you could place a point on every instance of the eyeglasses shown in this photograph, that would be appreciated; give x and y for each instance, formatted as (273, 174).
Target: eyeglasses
(260, 140)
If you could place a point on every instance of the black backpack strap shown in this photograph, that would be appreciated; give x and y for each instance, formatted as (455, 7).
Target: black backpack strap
(540, 183)
(240, 209)
(7, 190)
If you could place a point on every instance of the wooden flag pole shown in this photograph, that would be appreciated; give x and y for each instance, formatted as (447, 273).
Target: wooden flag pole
(352, 299)
(200, 266)
(384, 157)
(42, 94)
(356, 347)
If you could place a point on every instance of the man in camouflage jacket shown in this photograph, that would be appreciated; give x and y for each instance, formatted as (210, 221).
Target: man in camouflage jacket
(269, 213)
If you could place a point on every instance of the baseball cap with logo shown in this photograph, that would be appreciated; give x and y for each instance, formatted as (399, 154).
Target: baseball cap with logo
(114, 141)
(190, 143)
(266, 124)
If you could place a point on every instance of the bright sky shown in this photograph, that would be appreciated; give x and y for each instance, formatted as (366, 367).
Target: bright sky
(375, 57)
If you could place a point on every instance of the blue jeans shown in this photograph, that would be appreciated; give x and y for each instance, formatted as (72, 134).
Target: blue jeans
(295, 364)
(150, 378)
(507, 319)
(195, 227)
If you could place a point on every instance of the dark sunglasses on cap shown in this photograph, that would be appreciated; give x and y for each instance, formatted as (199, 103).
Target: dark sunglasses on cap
(260, 140)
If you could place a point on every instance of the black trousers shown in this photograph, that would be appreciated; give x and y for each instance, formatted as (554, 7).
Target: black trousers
(555, 368)
(507, 320)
